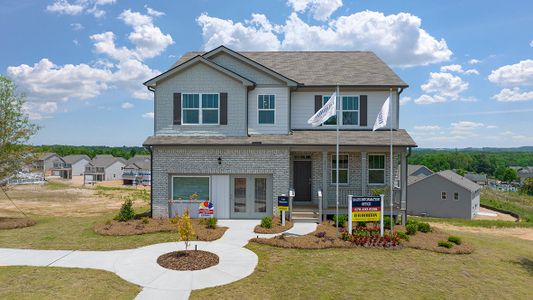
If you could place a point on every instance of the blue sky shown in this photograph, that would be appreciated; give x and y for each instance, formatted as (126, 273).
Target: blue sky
(82, 62)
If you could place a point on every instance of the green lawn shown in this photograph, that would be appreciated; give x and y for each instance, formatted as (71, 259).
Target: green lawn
(499, 267)
(75, 233)
(63, 283)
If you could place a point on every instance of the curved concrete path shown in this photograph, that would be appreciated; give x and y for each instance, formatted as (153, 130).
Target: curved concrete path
(140, 265)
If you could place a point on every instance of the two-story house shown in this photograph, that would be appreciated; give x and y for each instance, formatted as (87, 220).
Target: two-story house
(104, 167)
(71, 165)
(231, 127)
(137, 171)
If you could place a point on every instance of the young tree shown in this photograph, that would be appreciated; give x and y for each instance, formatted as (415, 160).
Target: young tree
(185, 229)
(15, 129)
(510, 175)
(527, 187)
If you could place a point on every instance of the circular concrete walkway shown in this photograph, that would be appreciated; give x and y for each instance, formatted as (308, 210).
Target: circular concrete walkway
(140, 265)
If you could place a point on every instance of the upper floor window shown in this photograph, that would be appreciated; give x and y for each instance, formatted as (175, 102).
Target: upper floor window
(376, 169)
(266, 109)
(443, 195)
(343, 169)
(200, 109)
(349, 113)
(456, 196)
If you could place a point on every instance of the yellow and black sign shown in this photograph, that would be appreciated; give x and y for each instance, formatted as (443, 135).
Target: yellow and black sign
(283, 203)
(366, 209)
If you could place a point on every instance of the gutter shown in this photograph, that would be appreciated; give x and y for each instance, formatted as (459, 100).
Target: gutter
(407, 183)
(149, 148)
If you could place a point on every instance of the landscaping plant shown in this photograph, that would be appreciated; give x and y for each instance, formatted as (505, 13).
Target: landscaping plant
(402, 235)
(454, 239)
(342, 220)
(266, 222)
(211, 223)
(445, 244)
(126, 212)
(411, 228)
(145, 220)
(185, 230)
(424, 227)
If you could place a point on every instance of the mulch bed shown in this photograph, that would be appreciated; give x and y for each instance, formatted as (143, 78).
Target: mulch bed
(12, 223)
(276, 227)
(190, 260)
(136, 227)
(429, 241)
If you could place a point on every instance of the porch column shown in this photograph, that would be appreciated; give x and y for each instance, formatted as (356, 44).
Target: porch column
(324, 178)
(403, 186)
(364, 174)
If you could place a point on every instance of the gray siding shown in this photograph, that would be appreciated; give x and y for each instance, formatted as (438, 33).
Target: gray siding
(281, 125)
(79, 167)
(303, 107)
(170, 161)
(424, 197)
(245, 70)
(114, 171)
(200, 79)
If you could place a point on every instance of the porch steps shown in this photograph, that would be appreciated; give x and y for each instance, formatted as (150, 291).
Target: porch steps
(305, 216)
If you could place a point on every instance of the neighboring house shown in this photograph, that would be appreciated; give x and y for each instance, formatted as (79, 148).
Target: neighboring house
(231, 127)
(45, 162)
(480, 179)
(444, 194)
(103, 168)
(71, 165)
(418, 170)
(525, 173)
(137, 171)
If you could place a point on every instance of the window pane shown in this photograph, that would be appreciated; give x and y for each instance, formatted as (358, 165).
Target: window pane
(376, 176)
(350, 103)
(350, 118)
(343, 162)
(187, 188)
(376, 162)
(266, 117)
(191, 101)
(333, 119)
(266, 102)
(343, 176)
(210, 116)
(260, 194)
(210, 101)
(190, 116)
(272, 102)
(239, 192)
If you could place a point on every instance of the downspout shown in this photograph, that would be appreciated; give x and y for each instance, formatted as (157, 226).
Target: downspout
(151, 181)
(407, 183)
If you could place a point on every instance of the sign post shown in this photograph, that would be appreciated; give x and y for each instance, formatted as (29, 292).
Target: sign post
(365, 209)
(381, 227)
(283, 206)
(350, 216)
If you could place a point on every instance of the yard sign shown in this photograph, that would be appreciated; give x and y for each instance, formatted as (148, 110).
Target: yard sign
(283, 203)
(365, 209)
(206, 209)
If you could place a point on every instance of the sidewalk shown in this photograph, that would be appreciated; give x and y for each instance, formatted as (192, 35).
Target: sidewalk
(139, 266)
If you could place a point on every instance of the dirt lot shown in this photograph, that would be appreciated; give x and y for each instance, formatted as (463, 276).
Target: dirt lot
(488, 214)
(522, 233)
(61, 198)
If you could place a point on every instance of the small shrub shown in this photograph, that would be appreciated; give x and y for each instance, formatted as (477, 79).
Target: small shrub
(378, 191)
(175, 220)
(402, 235)
(211, 223)
(342, 220)
(424, 227)
(345, 236)
(185, 230)
(386, 222)
(320, 234)
(266, 222)
(361, 224)
(445, 244)
(126, 212)
(411, 221)
(411, 229)
(454, 239)
(145, 220)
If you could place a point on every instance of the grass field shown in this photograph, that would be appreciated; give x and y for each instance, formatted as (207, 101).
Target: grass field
(62, 283)
(499, 268)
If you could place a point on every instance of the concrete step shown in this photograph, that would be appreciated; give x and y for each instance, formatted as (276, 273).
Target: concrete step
(305, 213)
(297, 219)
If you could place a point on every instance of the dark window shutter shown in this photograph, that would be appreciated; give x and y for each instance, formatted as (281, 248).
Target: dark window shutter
(223, 108)
(363, 110)
(318, 102)
(177, 108)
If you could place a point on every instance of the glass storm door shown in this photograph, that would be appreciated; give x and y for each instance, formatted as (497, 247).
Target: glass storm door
(251, 196)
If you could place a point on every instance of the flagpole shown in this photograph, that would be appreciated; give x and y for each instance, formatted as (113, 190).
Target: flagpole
(391, 166)
(337, 163)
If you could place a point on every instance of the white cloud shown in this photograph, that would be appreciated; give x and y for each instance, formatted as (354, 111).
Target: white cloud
(39, 111)
(474, 61)
(492, 126)
(79, 6)
(76, 26)
(466, 125)
(320, 9)
(127, 105)
(405, 100)
(76, 42)
(152, 12)
(458, 69)
(148, 115)
(399, 38)
(513, 95)
(427, 127)
(514, 75)
(427, 99)
(472, 72)
(531, 43)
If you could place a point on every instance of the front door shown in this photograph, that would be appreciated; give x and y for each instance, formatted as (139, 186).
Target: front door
(251, 196)
(302, 180)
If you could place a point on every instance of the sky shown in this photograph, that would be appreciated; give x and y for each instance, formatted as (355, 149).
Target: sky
(81, 63)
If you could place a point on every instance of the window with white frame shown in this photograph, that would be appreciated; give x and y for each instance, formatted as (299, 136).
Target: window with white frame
(349, 111)
(343, 169)
(266, 109)
(376, 169)
(456, 196)
(200, 109)
(188, 188)
(443, 196)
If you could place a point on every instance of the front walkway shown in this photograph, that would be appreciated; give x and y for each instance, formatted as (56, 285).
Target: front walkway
(140, 265)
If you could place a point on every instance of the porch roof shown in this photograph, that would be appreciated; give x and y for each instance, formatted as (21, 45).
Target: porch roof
(296, 138)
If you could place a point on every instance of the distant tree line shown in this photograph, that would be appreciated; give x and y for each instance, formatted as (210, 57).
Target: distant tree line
(92, 151)
(494, 164)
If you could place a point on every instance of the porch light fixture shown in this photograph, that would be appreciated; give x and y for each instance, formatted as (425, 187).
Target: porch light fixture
(219, 160)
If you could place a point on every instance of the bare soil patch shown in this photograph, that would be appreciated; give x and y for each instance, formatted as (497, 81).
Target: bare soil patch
(524, 233)
(276, 227)
(12, 223)
(190, 260)
(494, 215)
(429, 241)
(136, 227)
